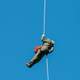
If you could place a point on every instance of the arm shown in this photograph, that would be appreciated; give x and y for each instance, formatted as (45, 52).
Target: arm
(45, 40)
(51, 50)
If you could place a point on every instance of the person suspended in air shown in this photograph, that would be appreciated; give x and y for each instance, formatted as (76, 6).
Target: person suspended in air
(46, 48)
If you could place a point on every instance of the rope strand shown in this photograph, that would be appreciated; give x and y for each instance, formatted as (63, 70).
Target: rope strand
(47, 68)
(44, 17)
(44, 32)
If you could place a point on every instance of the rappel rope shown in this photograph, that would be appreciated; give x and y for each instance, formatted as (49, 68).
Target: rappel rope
(44, 18)
(44, 32)
(47, 70)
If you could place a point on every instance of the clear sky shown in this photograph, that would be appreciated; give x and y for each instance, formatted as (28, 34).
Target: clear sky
(21, 23)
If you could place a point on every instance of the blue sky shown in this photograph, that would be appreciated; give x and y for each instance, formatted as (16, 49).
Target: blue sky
(21, 23)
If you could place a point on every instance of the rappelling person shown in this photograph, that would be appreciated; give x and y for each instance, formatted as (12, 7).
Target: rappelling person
(46, 48)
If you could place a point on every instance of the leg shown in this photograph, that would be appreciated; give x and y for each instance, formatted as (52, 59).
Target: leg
(45, 49)
(38, 56)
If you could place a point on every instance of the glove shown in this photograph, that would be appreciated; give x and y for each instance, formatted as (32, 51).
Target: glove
(43, 36)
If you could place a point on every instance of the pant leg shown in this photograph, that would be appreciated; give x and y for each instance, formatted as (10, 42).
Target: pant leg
(41, 52)
(38, 56)
(45, 49)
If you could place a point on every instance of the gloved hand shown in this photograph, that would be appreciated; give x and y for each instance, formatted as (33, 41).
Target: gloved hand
(43, 36)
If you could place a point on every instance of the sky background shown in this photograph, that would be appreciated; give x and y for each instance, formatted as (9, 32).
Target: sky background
(21, 26)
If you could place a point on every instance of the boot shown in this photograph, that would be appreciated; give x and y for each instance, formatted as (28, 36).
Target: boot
(30, 64)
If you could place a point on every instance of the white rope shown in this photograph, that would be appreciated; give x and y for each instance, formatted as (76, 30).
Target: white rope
(44, 17)
(47, 68)
(44, 32)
